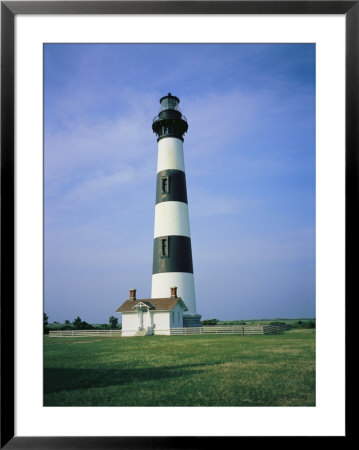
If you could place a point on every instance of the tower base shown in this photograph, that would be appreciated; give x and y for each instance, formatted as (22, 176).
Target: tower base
(191, 320)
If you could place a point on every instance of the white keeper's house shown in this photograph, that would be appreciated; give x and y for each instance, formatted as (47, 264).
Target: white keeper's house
(147, 316)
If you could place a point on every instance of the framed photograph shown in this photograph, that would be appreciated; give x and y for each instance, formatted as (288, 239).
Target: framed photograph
(270, 90)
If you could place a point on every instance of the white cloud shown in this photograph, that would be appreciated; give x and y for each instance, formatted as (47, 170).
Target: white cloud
(213, 205)
(100, 185)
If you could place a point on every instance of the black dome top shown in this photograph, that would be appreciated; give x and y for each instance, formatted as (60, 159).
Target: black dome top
(170, 95)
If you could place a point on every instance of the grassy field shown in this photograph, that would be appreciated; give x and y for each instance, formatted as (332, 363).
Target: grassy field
(207, 370)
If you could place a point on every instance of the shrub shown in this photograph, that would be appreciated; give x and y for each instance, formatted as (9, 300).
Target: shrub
(113, 321)
(85, 326)
(233, 322)
(304, 324)
(77, 323)
(46, 322)
(210, 322)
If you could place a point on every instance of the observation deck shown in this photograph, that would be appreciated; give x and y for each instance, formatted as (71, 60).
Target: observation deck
(169, 122)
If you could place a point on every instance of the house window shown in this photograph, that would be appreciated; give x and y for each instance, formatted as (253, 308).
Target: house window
(173, 316)
(164, 247)
(165, 185)
(178, 316)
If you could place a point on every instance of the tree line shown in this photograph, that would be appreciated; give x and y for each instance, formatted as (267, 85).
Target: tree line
(79, 324)
(306, 323)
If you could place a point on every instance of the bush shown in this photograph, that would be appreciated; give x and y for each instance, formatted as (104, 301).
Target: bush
(113, 321)
(304, 324)
(85, 326)
(210, 322)
(77, 323)
(232, 322)
(46, 322)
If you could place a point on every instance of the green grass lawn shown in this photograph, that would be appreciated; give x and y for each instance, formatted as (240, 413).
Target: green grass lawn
(207, 370)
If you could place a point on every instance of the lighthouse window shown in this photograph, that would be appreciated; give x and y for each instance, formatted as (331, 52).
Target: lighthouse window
(164, 247)
(165, 184)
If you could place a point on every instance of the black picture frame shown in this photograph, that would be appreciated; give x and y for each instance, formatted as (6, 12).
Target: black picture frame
(9, 9)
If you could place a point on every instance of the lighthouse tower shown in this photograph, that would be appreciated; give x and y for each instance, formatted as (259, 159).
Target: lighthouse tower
(172, 251)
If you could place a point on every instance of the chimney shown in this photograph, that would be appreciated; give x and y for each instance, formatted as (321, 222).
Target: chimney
(173, 292)
(133, 294)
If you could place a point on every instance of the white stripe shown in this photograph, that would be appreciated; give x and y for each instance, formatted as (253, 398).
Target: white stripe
(161, 283)
(171, 219)
(170, 154)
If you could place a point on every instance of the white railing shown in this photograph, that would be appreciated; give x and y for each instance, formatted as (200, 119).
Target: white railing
(79, 333)
(224, 329)
(274, 329)
(229, 329)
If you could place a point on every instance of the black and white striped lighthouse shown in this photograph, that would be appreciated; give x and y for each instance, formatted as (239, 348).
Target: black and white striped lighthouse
(172, 250)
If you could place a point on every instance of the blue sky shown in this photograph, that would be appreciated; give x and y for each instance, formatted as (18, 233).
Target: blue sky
(250, 169)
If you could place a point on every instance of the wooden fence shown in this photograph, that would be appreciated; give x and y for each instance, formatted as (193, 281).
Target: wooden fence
(81, 333)
(224, 329)
(275, 329)
(229, 329)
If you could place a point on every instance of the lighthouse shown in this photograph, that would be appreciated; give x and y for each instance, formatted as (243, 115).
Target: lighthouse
(172, 249)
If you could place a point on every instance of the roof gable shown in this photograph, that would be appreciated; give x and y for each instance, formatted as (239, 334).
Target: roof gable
(141, 305)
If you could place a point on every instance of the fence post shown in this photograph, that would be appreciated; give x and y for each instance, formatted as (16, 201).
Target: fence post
(262, 329)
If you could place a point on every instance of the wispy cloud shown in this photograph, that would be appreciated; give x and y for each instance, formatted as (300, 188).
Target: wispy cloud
(249, 156)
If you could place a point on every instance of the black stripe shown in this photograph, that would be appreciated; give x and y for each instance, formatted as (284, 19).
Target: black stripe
(175, 180)
(177, 256)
